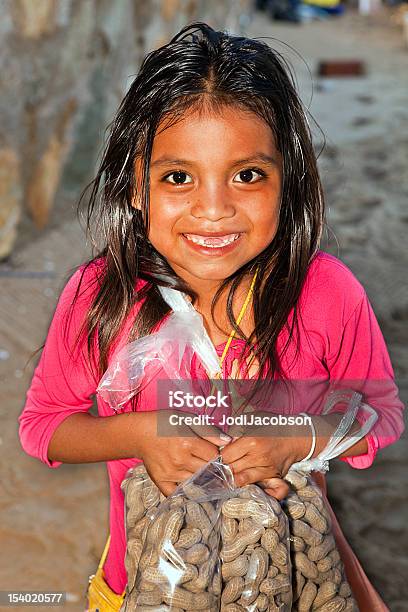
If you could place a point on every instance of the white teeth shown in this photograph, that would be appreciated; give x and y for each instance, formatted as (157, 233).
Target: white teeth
(212, 242)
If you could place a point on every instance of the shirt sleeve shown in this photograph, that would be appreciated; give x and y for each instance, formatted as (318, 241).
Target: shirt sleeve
(360, 361)
(64, 379)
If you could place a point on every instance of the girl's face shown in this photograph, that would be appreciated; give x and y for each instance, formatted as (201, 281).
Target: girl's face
(215, 183)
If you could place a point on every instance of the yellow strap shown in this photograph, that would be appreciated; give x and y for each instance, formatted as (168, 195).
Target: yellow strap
(239, 318)
(105, 553)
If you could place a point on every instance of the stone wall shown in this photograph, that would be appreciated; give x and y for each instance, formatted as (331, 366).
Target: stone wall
(61, 59)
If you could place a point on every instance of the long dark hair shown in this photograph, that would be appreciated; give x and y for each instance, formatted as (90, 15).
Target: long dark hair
(202, 66)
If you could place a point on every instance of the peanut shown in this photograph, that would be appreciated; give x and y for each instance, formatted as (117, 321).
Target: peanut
(134, 552)
(258, 566)
(173, 524)
(297, 543)
(305, 565)
(206, 570)
(335, 557)
(344, 590)
(229, 528)
(270, 540)
(299, 583)
(233, 549)
(139, 530)
(216, 585)
(149, 557)
(197, 517)
(337, 604)
(249, 508)
(334, 575)
(326, 592)
(155, 528)
(232, 590)
(150, 495)
(274, 586)
(149, 598)
(296, 508)
(280, 555)
(297, 480)
(197, 553)
(308, 492)
(309, 535)
(272, 571)
(315, 518)
(188, 536)
(262, 602)
(315, 553)
(307, 597)
(193, 491)
(282, 527)
(232, 607)
(135, 512)
(324, 564)
(237, 567)
(146, 586)
(158, 576)
(179, 597)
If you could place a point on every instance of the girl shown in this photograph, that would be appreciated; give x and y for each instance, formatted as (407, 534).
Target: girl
(209, 174)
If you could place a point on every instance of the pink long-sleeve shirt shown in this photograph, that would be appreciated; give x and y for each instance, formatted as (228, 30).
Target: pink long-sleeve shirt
(338, 339)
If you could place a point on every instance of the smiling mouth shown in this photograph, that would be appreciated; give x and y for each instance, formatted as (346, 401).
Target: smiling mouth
(212, 242)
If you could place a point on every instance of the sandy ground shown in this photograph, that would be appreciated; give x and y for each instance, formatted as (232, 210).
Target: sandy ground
(54, 522)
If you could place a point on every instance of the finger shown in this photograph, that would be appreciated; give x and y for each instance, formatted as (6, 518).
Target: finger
(218, 442)
(204, 450)
(279, 493)
(193, 464)
(235, 450)
(251, 475)
(276, 487)
(167, 488)
(245, 463)
(211, 434)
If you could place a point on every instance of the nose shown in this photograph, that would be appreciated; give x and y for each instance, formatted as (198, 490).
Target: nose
(213, 202)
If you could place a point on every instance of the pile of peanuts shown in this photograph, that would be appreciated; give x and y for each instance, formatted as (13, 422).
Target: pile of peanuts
(319, 581)
(255, 557)
(174, 561)
(174, 550)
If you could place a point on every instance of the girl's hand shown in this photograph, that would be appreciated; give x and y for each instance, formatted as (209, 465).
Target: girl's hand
(265, 459)
(173, 458)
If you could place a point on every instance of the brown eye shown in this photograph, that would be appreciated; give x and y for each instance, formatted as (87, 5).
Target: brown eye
(179, 178)
(247, 176)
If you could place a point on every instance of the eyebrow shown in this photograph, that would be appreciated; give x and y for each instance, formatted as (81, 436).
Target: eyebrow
(258, 157)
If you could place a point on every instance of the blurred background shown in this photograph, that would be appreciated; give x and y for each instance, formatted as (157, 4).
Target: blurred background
(64, 67)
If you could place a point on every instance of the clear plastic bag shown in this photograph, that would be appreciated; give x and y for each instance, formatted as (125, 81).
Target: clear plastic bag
(208, 546)
(178, 544)
(319, 580)
(170, 349)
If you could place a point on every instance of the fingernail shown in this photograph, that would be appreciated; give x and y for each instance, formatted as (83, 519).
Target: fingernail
(225, 438)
